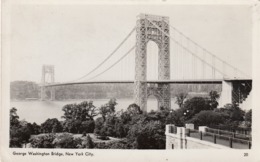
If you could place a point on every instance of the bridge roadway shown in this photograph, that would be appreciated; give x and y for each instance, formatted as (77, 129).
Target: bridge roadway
(187, 81)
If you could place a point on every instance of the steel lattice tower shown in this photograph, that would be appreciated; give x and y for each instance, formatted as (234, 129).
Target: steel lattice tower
(47, 69)
(146, 31)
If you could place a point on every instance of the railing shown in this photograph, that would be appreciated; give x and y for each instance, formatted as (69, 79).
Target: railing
(229, 134)
(245, 131)
(221, 139)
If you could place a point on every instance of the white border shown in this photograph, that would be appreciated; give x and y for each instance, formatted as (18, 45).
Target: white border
(129, 155)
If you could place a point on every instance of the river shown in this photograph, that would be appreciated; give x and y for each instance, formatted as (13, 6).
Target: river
(39, 111)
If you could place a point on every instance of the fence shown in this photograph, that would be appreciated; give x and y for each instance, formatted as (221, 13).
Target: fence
(229, 134)
(219, 138)
(245, 131)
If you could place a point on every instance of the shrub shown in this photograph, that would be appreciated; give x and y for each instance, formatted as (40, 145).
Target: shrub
(66, 140)
(88, 143)
(207, 118)
(51, 126)
(42, 141)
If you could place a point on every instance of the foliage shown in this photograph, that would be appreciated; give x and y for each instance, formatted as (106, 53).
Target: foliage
(207, 118)
(248, 118)
(98, 125)
(134, 109)
(213, 97)
(88, 143)
(175, 117)
(82, 111)
(34, 128)
(19, 133)
(42, 141)
(66, 140)
(51, 126)
(193, 106)
(180, 98)
(148, 135)
(234, 112)
(108, 109)
(122, 144)
(87, 126)
(79, 117)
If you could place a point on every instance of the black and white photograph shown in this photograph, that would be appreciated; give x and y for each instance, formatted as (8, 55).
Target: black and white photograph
(128, 76)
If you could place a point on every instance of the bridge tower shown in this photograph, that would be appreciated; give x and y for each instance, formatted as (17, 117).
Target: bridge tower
(145, 32)
(47, 70)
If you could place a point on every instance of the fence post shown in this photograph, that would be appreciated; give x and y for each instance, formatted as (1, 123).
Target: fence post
(230, 142)
(249, 144)
(188, 132)
(234, 135)
(200, 135)
(215, 138)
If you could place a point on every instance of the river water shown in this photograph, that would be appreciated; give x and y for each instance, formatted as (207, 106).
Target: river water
(39, 111)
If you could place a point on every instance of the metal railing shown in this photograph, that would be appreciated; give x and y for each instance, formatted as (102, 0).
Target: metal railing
(221, 139)
(229, 134)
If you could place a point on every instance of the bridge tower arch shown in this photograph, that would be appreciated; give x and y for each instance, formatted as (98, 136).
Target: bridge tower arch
(47, 70)
(146, 31)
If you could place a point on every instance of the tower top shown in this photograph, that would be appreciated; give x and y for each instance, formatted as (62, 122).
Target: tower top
(153, 17)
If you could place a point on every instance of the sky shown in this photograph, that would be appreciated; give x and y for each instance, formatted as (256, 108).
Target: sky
(75, 38)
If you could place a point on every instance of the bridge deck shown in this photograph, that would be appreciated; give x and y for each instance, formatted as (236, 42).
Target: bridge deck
(187, 81)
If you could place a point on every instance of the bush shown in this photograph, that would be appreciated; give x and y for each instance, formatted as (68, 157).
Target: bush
(42, 141)
(88, 143)
(67, 140)
(51, 126)
(193, 106)
(207, 118)
(87, 126)
(123, 144)
(149, 135)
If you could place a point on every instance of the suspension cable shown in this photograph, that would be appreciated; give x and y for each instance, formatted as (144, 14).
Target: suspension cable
(185, 48)
(210, 53)
(109, 56)
(131, 49)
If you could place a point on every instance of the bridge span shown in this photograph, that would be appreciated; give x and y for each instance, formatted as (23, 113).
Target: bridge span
(187, 81)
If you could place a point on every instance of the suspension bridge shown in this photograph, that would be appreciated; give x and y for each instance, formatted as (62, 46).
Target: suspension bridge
(174, 58)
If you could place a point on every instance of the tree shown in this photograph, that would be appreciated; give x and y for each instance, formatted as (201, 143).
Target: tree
(98, 125)
(214, 96)
(207, 118)
(235, 113)
(51, 126)
(79, 117)
(87, 126)
(14, 118)
(19, 131)
(82, 111)
(19, 136)
(108, 108)
(134, 109)
(193, 106)
(34, 128)
(148, 135)
(180, 98)
(88, 143)
(175, 117)
(248, 118)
